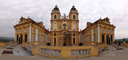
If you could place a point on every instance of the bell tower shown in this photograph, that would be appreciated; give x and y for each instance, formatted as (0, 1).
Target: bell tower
(55, 14)
(73, 15)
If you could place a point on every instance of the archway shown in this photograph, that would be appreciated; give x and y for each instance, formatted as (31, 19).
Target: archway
(80, 44)
(102, 38)
(108, 39)
(21, 39)
(48, 44)
(25, 37)
(64, 44)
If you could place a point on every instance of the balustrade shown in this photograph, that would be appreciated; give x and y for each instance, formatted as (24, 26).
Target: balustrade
(50, 52)
(80, 52)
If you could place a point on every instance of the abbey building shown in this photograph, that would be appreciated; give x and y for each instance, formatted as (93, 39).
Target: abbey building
(64, 30)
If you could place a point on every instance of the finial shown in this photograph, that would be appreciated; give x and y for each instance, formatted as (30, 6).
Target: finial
(56, 6)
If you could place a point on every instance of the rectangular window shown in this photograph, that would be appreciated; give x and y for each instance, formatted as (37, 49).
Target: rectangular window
(54, 34)
(73, 34)
(107, 31)
(74, 41)
(102, 30)
(26, 30)
(17, 31)
(54, 41)
(34, 37)
(39, 38)
(21, 30)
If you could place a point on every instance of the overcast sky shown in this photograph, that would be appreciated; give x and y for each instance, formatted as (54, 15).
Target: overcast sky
(40, 10)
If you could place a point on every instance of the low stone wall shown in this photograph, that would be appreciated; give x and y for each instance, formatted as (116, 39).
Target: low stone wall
(124, 44)
(2, 44)
(65, 51)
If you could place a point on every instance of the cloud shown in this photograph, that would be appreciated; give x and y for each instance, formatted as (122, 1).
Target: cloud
(40, 10)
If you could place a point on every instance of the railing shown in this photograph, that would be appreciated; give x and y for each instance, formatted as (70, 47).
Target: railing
(81, 52)
(65, 51)
(50, 52)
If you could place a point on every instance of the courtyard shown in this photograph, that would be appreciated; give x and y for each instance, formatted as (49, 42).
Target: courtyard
(17, 51)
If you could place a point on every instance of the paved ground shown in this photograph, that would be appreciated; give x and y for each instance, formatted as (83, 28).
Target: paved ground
(114, 50)
(111, 52)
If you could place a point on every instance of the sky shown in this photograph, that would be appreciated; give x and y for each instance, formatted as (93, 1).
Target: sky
(40, 10)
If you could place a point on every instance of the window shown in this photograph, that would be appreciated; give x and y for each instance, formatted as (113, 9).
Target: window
(111, 31)
(54, 40)
(64, 25)
(21, 31)
(55, 16)
(64, 33)
(26, 30)
(54, 34)
(73, 34)
(107, 31)
(39, 38)
(74, 17)
(73, 40)
(102, 30)
(34, 37)
(17, 31)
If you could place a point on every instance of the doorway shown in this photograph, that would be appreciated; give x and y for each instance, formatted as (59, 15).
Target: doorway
(102, 38)
(108, 40)
(64, 44)
(25, 37)
(20, 39)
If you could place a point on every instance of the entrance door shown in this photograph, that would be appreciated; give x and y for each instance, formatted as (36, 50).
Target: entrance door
(108, 40)
(21, 39)
(64, 44)
(102, 38)
(25, 37)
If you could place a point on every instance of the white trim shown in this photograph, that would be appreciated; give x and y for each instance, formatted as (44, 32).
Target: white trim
(36, 34)
(30, 33)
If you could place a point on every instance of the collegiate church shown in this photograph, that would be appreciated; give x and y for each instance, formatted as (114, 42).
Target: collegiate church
(64, 30)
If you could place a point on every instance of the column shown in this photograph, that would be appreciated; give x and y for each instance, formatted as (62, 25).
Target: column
(30, 33)
(36, 34)
(92, 36)
(98, 33)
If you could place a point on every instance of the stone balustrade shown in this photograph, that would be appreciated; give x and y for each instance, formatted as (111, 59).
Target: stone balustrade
(50, 52)
(80, 52)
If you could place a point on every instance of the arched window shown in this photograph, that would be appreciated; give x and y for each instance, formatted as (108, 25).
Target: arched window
(54, 41)
(64, 25)
(64, 33)
(55, 16)
(74, 17)
(73, 34)
(73, 40)
(54, 34)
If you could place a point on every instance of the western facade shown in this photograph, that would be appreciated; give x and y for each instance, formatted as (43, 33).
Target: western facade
(64, 30)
